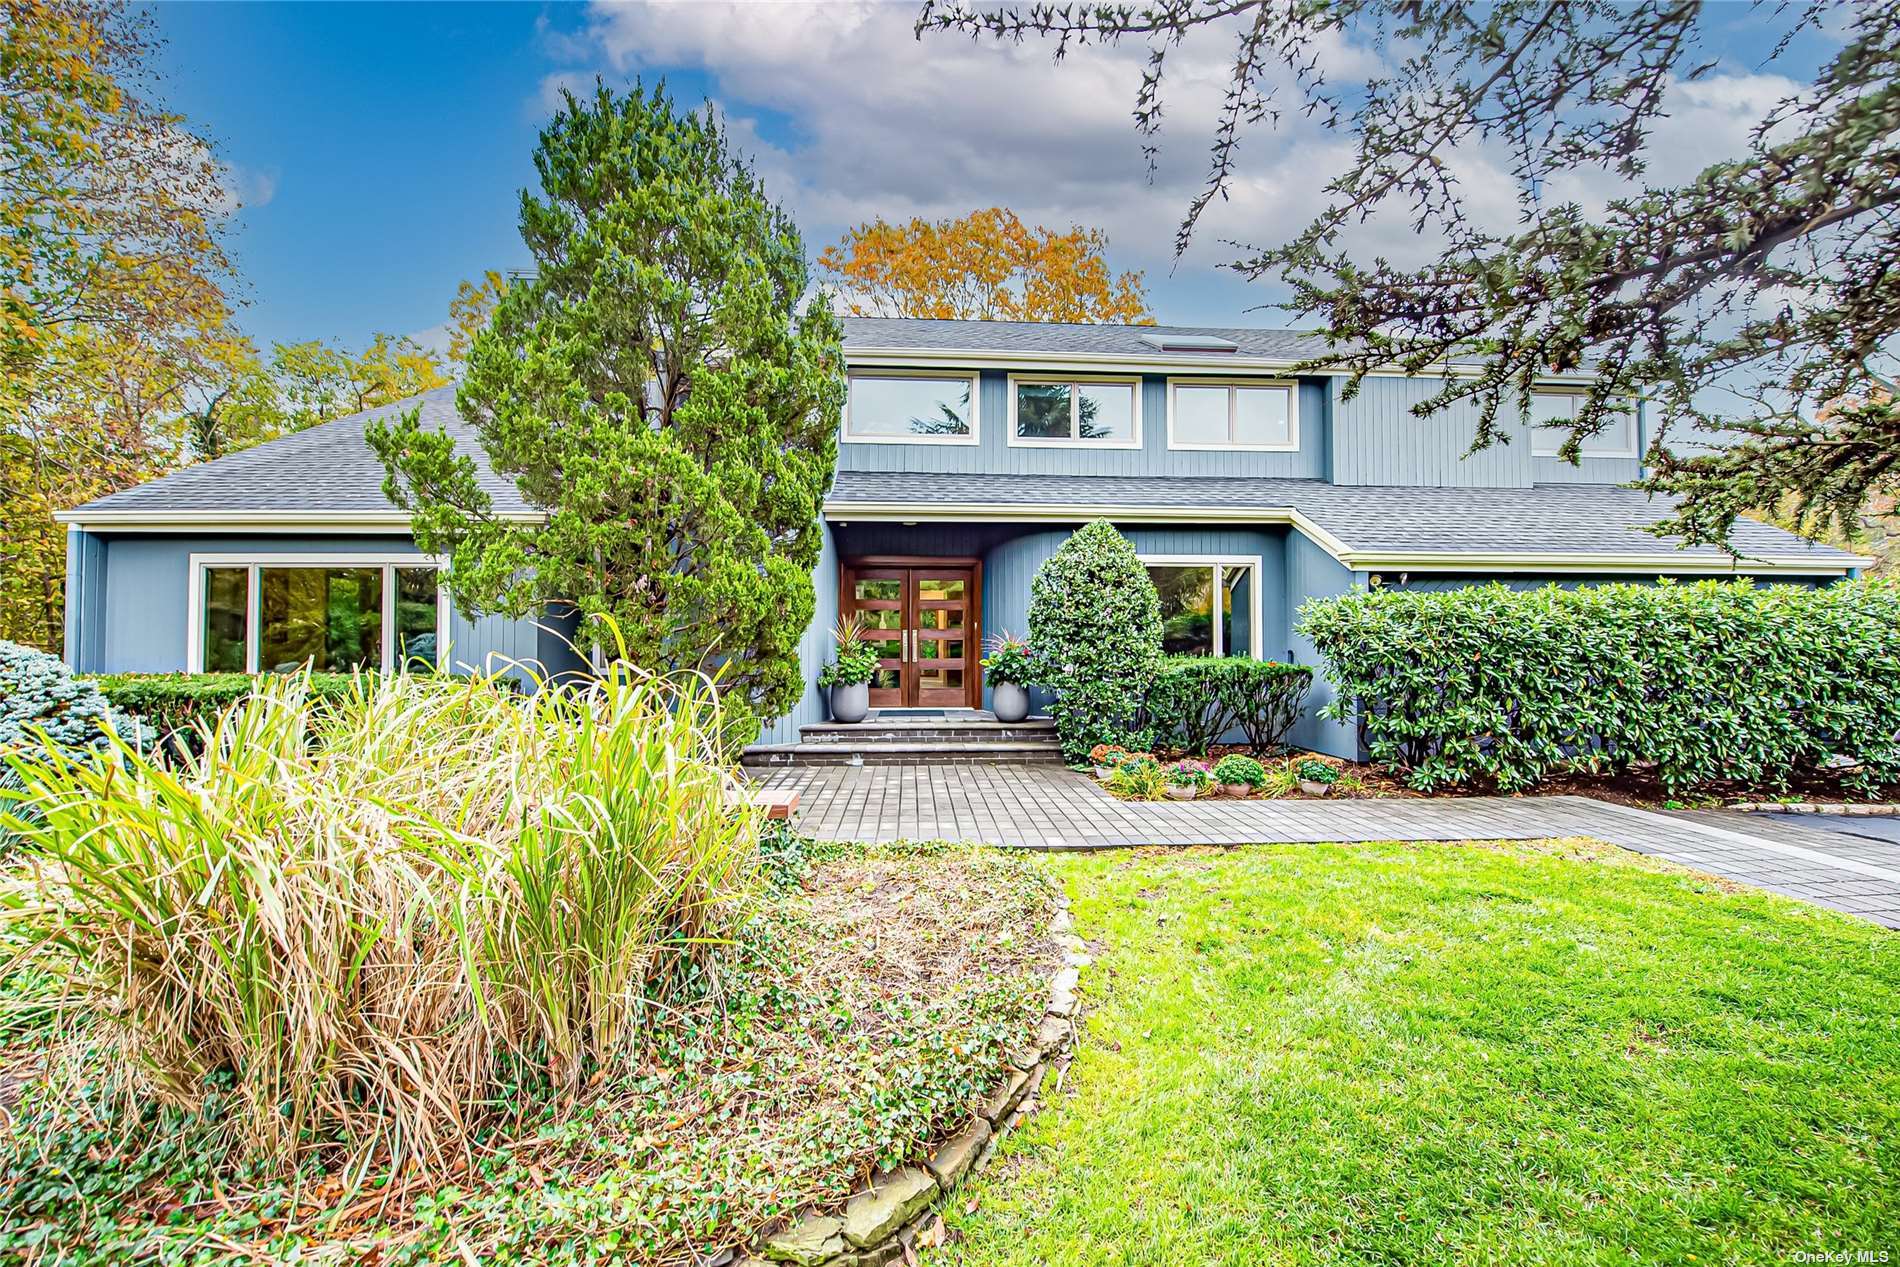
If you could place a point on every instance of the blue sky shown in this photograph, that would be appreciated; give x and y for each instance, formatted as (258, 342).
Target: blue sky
(379, 148)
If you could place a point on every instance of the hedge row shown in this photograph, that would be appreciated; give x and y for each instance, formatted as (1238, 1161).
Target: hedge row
(1710, 681)
(1194, 700)
(171, 703)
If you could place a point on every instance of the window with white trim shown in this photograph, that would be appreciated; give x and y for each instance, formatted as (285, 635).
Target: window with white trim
(335, 615)
(1087, 412)
(1209, 414)
(894, 408)
(1209, 606)
(1552, 415)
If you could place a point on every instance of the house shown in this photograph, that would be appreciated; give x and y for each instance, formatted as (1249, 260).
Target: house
(968, 452)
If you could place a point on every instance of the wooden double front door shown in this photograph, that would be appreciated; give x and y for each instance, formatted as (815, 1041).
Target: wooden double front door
(925, 619)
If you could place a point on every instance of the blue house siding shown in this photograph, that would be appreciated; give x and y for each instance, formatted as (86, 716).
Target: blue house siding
(1312, 573)
(993, 452)
(814, 648)
(1378, 440)
(139, 623)
(85, 597)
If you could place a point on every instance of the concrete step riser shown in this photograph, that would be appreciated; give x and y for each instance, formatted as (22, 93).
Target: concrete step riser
(844, 757)
(895, 734)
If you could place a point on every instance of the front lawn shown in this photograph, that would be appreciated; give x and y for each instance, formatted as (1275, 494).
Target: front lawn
(1392, 1053)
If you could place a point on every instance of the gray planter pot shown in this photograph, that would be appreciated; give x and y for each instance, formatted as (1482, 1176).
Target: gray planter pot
(850, 703)
(1009, 701)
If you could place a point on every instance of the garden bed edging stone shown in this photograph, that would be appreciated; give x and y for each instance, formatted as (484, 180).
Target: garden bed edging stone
(881, 1221)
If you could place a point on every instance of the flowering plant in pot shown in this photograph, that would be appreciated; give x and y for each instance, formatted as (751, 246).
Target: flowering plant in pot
(848, 676)
(1186, 779)
(1315, 776)
(1008, 666)
(1237, 775)
(1105, 757)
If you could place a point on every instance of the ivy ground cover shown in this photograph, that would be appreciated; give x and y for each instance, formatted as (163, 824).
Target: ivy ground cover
(1555, 1053)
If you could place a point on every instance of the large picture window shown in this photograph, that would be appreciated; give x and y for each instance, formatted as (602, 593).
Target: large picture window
(1209, 606)
(1206, 414)
(1100, 413)
(1552, 415)
(911, 409)
(281, 613)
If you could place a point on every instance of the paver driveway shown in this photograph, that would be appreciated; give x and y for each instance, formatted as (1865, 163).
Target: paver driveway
(1049, 807)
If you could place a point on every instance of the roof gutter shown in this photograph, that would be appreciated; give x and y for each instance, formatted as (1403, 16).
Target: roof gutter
(1356, 560)
(1102, 362)
(365, 521)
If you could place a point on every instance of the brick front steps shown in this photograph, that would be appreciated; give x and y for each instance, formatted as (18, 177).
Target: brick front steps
(880, 1223)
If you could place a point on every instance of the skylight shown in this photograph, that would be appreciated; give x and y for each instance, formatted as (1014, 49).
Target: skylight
(1167, 342)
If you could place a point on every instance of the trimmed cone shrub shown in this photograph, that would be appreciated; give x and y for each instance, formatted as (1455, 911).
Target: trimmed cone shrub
(1095, 626)
(1713, 681)
(1195, 700)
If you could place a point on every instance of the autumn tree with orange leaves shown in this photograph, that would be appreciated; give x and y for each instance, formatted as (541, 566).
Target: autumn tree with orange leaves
(987, 266)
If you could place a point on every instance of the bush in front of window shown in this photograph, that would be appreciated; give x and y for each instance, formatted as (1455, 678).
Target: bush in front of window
(179, 707)
(1717, 681)
(1195, 701)
(1095, 624)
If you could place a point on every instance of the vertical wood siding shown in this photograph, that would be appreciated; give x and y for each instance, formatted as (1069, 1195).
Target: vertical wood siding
(814, 648)
(1312, 573)
(85, 600)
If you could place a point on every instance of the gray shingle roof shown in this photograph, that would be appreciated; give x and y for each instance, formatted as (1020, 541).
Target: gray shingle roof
(1553, 519)
(906, 334)
(327, 469)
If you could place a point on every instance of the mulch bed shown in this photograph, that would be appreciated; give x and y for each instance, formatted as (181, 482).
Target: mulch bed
(1640, 789)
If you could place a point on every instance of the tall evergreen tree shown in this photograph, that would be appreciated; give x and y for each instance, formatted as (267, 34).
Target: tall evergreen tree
(659, 391)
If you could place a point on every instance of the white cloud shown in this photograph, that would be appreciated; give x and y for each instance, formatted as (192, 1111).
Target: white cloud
(245, 188)
(882, 123)
(887, 124)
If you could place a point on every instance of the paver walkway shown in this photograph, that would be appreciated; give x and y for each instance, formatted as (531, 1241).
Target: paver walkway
(1055, 808)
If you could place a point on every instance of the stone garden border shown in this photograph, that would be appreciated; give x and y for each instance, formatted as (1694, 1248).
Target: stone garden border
(1867, 809)
(878, 1225)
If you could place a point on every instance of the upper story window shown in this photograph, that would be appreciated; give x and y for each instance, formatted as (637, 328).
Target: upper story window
(1093, 412)
(274, 614)
(1239, 414)
(1551, 416)
(893, 408)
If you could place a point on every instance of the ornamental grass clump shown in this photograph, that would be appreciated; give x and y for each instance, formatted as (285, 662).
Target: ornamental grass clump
(364, 914)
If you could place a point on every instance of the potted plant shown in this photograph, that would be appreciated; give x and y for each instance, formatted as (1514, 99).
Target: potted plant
(1006, 663)
(1315, 776)
(1137, 777)
(848, 676)
(1186, 778)
(1236, 775)
(1105, 757)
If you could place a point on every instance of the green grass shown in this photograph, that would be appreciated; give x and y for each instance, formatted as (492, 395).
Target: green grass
(1456, 1053)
